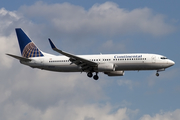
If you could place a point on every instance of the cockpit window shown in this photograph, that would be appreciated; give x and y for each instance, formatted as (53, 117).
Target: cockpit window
(163, 57)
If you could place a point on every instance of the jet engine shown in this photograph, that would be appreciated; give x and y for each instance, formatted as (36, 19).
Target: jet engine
(115, 73)
(107, 67)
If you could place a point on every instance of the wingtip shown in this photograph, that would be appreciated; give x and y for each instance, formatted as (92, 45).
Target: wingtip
(7, 54)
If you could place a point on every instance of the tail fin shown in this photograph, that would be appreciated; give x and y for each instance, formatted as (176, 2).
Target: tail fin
(27, 47)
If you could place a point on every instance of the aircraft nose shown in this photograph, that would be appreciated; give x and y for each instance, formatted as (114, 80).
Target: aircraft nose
(171, 62)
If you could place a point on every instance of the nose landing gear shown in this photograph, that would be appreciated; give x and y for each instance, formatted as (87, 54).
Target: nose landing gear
(159, 70)
(157, 74)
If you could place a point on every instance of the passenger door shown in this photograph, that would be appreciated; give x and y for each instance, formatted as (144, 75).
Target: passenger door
(153, 59)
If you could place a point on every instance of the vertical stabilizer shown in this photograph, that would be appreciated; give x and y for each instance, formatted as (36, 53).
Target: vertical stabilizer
(27, 47)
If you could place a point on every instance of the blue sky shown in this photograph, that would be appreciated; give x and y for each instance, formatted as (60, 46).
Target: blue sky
(90, 27)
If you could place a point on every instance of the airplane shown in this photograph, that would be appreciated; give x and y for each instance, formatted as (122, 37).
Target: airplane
(109, 64)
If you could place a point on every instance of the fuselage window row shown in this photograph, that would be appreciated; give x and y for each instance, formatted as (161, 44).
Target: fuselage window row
(130, 59)
(59, 61)
(100, 60)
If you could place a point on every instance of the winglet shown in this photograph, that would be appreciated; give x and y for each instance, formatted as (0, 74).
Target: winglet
(54, 47)
(52, 44)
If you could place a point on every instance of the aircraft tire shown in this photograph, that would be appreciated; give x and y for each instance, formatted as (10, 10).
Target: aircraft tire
(96, 77)
(157, 74)
(90, 74)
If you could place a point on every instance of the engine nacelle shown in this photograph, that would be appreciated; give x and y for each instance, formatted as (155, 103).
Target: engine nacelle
(107, 67)
(115, 73)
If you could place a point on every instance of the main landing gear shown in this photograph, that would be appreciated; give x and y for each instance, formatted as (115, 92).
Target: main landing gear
(89, 74)
(95, 77)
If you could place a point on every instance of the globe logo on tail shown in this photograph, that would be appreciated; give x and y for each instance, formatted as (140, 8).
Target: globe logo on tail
(30, 50)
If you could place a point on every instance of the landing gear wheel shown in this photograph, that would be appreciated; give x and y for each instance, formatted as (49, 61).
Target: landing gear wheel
(96, 77)
(157, 74)
(90, 74)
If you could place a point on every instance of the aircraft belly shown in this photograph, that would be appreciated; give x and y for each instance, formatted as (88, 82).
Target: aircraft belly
(63, 68)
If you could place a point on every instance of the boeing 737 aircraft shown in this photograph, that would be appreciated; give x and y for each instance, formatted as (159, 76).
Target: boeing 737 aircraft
(110, 64)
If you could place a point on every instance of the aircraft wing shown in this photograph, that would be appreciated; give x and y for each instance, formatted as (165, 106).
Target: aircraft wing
(83, 63)
(19, 58)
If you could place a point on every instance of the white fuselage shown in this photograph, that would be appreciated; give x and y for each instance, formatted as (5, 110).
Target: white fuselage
(109, 64)
(121, 62)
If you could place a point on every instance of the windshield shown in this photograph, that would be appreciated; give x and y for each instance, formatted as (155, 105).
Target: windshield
(163, 57)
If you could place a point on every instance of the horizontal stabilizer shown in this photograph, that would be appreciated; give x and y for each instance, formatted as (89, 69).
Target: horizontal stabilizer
(19, 58)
